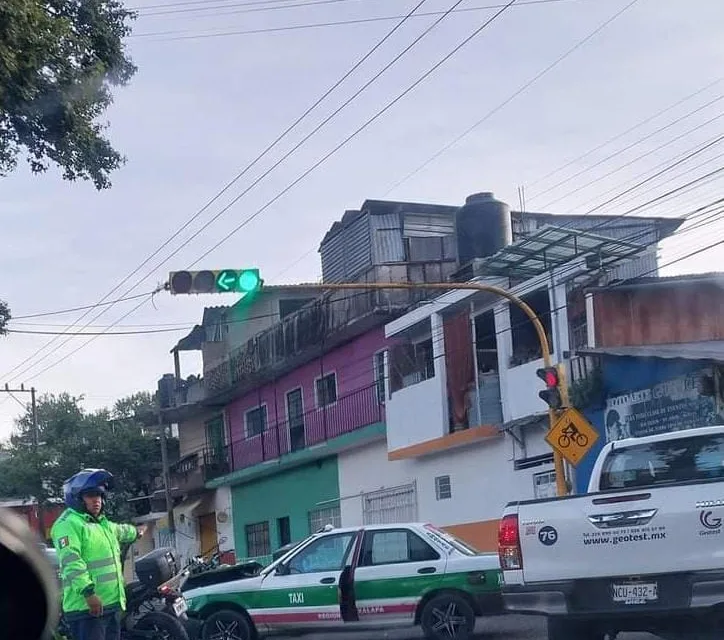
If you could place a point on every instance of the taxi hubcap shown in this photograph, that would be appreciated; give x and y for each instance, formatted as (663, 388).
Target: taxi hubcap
(226, 631)
(448, 621)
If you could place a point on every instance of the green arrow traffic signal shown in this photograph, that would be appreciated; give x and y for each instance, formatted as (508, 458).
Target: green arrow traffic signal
(220, 281)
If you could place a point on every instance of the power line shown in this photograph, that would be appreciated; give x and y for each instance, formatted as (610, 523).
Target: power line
(512, 97)
(89, 306)
(248, 8)
(379, 113)
(631, 146)
(191, 35)
(618, 136)
(238, 176)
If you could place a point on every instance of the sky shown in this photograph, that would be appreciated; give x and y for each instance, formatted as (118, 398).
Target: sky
(210, 96)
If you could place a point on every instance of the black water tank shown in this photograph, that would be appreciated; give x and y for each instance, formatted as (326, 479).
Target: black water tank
(483, 227)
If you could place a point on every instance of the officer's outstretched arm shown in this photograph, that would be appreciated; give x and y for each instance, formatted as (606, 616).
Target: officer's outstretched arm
(73, 569)
(126, 533)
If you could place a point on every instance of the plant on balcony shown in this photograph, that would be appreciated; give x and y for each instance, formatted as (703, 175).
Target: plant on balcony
(588, 392)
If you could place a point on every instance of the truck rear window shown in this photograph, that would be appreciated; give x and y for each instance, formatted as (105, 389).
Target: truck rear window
(696, 458)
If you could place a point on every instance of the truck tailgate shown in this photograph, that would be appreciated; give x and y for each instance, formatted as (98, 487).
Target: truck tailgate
(635, 532)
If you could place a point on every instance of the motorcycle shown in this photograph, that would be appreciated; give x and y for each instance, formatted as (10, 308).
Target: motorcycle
(155, 607)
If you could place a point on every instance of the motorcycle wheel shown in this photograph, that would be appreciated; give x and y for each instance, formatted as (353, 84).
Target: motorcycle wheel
(161, 626)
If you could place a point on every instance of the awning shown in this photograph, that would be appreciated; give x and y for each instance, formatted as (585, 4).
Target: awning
(712, 350)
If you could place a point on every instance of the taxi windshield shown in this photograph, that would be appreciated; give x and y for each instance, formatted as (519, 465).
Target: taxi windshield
(455, 542)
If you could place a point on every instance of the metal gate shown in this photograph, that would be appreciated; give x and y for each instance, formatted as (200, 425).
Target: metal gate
(389, 506)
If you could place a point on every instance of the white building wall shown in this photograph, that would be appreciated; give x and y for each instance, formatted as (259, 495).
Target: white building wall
(224, 519)
(426, 421)
(482, 479)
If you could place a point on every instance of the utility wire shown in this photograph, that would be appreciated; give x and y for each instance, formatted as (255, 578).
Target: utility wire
(512, 97)
(623, 134)
(83, 308)
(379, 113)
(186, 34)
(203, 209)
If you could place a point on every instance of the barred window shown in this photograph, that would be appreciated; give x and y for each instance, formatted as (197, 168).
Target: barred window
(257, 539)
(319, 518)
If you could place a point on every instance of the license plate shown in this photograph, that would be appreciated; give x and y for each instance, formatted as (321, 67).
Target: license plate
(180, 607)
(635, 593)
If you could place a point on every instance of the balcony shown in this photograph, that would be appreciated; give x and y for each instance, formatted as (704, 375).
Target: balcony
(187, 475)
(348, 413)
(324, 323)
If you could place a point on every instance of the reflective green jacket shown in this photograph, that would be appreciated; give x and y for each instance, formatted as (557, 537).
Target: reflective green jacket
(89, 556)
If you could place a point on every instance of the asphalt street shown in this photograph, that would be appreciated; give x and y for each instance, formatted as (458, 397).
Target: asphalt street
(501, 628)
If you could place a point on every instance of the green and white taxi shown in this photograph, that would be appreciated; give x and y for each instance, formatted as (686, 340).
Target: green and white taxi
(358, 578)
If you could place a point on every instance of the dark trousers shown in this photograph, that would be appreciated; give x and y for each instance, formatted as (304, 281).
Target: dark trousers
(105, 627)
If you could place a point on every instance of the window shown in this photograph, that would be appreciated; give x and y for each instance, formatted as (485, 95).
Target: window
(411, 363)
(388, 506)
(324, 554)
(255, 420)
(319, 518)
(326, 389)
(443, 489)
(284, 531)
(395, 546)
(295, 418)
(693, 459)
(257, 539)
(380, 382)
(526, 346)
(544, 485)
(215, 436)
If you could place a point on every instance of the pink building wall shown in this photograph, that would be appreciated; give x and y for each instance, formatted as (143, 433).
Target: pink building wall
(356, 404)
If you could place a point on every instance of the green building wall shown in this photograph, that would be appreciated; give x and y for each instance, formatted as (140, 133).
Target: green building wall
(292, 493)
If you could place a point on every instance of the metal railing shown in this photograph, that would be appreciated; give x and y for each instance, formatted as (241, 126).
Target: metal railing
(348, 413)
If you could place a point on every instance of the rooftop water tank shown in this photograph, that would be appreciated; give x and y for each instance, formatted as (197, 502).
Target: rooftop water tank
(483, 227)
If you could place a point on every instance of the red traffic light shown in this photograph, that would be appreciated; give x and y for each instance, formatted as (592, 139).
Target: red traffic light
(549, 375)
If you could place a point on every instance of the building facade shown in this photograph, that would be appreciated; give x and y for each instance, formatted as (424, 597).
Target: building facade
(377, 406)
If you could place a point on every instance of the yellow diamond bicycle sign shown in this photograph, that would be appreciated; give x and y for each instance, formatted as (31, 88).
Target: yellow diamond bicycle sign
(572, 435)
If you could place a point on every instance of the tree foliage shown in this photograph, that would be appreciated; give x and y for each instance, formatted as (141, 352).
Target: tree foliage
(4, 317)
(59, 60)
(122, 439)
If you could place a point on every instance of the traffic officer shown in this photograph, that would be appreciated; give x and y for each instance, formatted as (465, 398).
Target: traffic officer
(88, 547)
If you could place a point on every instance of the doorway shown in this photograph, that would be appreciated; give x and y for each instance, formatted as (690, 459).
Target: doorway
(208, 538)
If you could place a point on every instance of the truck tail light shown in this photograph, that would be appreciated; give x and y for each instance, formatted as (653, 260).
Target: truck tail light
(509, 551)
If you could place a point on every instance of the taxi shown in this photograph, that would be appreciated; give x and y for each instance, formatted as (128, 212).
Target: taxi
(356, 579)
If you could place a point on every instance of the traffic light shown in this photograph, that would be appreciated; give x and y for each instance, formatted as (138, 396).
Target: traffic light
(219, 281)
(551, 395)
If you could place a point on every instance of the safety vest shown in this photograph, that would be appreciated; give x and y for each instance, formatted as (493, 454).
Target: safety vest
(89, 555)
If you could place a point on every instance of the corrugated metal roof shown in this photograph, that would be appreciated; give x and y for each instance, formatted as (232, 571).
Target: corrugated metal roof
(689, 278)
(706, 350)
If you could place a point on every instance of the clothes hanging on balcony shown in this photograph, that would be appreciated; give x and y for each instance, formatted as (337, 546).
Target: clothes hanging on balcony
(458, 337)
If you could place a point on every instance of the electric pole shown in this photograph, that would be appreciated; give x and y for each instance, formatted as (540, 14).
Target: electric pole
(167, 480)
(35, 442)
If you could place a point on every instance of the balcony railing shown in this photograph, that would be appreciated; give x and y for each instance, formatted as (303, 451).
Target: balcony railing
(348, 413)
(187, 474)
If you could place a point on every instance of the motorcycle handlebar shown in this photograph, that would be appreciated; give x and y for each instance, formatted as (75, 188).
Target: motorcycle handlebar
(29, 600)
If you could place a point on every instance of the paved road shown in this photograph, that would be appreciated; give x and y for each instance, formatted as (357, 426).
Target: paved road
(502, 628)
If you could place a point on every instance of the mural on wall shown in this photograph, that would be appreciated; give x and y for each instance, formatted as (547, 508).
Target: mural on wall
(669, 406)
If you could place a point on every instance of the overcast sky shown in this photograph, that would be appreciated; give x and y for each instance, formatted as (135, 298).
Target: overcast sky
(207, 99)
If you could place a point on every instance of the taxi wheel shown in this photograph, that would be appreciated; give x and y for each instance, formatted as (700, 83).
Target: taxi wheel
(446, 617)
(227, 625)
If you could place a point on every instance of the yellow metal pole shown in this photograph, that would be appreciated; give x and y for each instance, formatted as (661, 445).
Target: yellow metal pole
(561, 486)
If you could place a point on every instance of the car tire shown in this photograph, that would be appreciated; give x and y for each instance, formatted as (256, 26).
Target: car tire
(166, 626)
(236, 625)
(446, 617)
(563, 629)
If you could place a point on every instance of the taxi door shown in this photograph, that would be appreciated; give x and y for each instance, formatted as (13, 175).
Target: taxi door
(396, 568)
(303, 592)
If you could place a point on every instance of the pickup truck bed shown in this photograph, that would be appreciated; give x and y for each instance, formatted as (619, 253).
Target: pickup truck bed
(643, 550)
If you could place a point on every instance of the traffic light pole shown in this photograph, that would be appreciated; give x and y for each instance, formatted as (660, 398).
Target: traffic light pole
(561, 483)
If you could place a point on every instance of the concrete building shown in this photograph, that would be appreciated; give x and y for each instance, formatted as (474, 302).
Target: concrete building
(333, 408)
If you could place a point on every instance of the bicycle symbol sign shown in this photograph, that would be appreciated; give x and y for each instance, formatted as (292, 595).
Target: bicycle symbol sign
(572, 436)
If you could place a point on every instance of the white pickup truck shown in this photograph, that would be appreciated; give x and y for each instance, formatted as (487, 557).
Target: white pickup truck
(643, 550)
